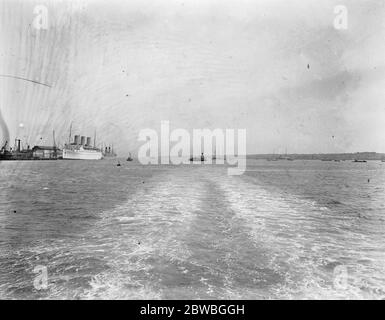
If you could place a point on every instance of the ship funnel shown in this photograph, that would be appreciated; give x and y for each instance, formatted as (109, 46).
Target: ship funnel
(82, 140)
(77, 139)
(88, 141)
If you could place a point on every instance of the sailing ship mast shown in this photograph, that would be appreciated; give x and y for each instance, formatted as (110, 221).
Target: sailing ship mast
(54, 144)
(69, 137)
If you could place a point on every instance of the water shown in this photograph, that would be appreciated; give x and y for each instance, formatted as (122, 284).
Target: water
(192, 232)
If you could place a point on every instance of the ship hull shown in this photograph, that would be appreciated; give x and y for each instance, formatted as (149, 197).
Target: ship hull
(81, 155)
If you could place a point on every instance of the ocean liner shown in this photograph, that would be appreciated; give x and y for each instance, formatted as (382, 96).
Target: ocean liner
(81, 149)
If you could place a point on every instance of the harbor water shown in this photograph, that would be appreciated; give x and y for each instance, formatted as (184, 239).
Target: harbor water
(282, 230)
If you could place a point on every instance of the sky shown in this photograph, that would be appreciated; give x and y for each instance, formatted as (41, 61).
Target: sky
(279, 69)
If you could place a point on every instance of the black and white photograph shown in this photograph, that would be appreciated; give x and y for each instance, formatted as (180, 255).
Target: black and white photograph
(222, 150)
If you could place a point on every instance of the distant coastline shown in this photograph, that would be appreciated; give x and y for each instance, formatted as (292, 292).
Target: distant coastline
(321, 156)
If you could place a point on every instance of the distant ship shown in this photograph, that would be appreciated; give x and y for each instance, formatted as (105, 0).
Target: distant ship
(202, 158)
(81, 149)
(286, 157)
(109, 152)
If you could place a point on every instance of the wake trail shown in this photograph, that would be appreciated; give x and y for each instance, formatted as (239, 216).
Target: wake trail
(145, 238)
(305, 241)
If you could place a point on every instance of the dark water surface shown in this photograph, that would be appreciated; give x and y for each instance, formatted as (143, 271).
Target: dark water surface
(148, 232)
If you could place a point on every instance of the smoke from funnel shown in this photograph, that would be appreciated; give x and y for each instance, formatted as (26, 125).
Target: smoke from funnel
(4, 130)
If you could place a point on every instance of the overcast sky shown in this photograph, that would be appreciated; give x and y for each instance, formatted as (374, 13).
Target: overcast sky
(279, 69)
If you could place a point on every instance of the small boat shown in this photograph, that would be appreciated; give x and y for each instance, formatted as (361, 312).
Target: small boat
(286, 157)
(118, 165)
(129, 158)
(202, 158)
